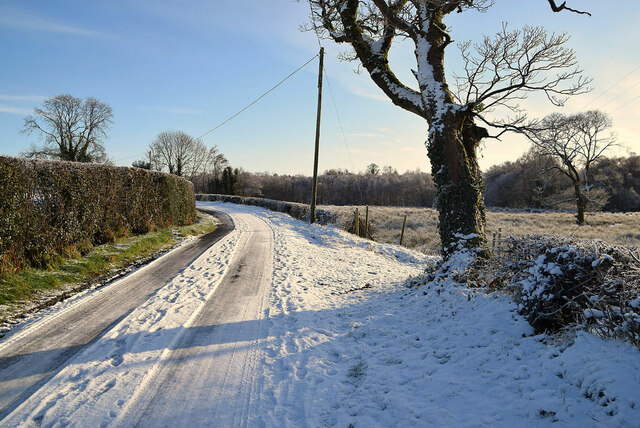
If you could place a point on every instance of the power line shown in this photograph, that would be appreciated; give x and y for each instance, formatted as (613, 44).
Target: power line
(625, 104)
(344, 137)
(335, 108)
(612, 86)
(245, 108)
(615, 98)
(129, 157)
(259, 98)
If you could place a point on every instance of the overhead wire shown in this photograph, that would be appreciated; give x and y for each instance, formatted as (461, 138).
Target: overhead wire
(244, 108)
(615, 98)
(258, 99)
(128, 157)
(335, 107)
(613, 86)
(625, 104)
(344, 137)
(620, 107)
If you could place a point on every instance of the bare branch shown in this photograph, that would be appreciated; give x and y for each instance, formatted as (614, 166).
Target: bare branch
(370, 28)
(564, 6)
(513, 64)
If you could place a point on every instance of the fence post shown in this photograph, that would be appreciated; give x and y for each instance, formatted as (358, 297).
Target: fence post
(404, 223)
(366, 223)
(357, 222)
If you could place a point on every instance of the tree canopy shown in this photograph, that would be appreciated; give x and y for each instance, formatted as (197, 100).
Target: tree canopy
(72, 129)
(499, 72)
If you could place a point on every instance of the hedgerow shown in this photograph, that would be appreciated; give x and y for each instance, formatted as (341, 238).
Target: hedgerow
(558, 282)
(294, 209)
(49, 208)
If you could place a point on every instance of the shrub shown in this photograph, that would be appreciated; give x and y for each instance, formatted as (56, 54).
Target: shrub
(560, 281)
(48, 206)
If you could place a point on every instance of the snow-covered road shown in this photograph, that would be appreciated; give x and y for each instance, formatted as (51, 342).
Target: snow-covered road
(211, 373)
(285, 324)
(42, 344)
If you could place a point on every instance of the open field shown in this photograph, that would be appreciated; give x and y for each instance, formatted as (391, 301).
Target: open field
(421, 231)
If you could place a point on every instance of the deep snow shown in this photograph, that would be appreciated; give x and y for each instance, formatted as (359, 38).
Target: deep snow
(347, 342)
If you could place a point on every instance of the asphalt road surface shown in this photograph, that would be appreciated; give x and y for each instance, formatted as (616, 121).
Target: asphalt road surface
(210, 377)
(29, 358)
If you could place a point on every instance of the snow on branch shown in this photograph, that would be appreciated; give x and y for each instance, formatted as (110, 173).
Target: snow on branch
(370, 28)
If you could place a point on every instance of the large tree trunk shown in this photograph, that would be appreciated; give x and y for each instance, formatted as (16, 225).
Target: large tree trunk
(458, 180)
(581, 203)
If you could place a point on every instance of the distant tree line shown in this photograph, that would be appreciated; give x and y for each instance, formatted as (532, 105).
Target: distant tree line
(565, 165)
(375, 186)
(529, 182)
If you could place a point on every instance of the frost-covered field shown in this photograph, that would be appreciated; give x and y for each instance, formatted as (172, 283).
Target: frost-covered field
(422, 225)
(345, 342)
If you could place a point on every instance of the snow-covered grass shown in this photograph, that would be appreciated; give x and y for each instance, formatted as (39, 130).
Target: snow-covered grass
(422, 225)
(352, 345)
(356, 336)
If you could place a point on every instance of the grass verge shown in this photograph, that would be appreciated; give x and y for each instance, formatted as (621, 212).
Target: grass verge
(100, 263)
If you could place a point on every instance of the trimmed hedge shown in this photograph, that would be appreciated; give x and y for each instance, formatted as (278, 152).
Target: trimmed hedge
(294, 209)
(50, 207)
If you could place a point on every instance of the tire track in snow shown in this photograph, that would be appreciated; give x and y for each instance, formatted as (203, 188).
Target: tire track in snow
(210, 376)
(96, 383)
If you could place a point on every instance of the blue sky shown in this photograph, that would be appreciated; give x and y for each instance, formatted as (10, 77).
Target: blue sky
(188, 65)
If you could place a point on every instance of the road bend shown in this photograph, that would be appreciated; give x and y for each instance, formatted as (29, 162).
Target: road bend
(211, 376)
(30, 357)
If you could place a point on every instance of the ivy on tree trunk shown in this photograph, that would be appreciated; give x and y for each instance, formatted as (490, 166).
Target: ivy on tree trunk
(370, 26)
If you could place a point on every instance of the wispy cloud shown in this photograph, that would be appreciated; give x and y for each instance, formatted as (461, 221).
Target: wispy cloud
(26, 21)
(15, 110)
(34, 98)
(19, 104)
(367, 94)
(176, 110)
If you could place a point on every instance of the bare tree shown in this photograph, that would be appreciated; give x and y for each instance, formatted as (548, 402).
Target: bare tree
(370, 27)
(372, 169)
(72, 129)
(246, 184)
(179, 153)
(389, 170)
(575, 142)
(208, 179)
(216, 164)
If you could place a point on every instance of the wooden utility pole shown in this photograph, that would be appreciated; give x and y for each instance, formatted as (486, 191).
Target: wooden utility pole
(312, 213)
